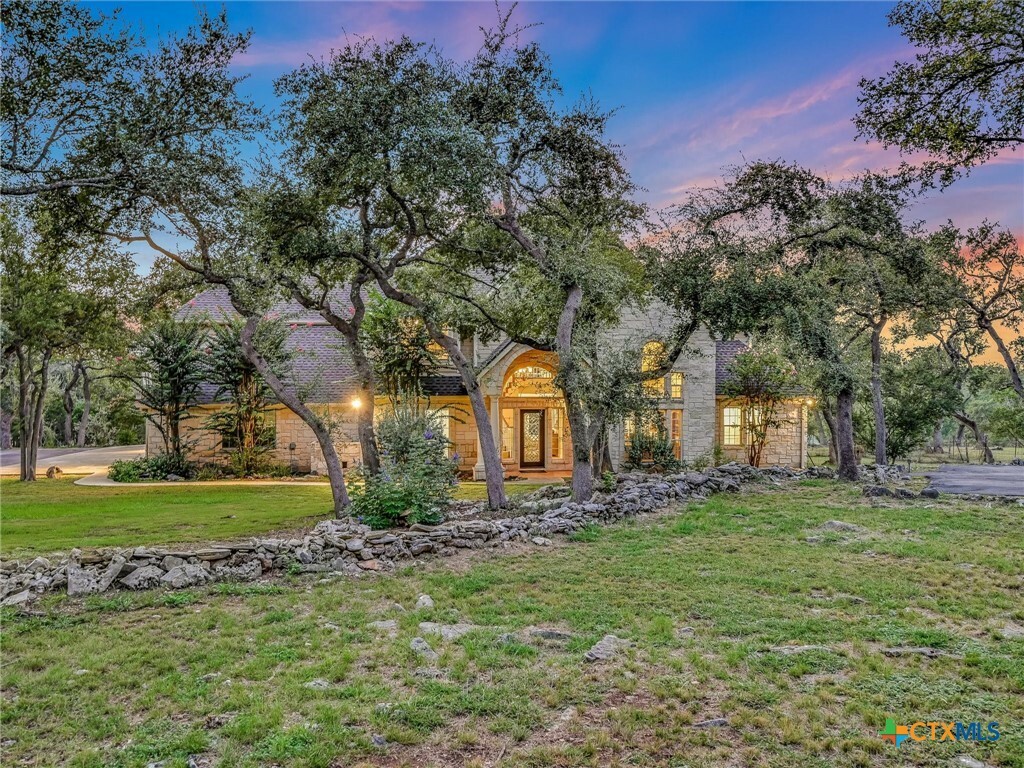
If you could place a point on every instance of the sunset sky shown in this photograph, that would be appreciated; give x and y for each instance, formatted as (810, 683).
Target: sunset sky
(696, 86)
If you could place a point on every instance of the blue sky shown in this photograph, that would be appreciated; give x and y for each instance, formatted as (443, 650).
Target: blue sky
(697, 85)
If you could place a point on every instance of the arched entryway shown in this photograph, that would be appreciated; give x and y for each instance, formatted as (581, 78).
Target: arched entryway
(534, 433)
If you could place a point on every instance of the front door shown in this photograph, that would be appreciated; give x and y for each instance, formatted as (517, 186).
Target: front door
(531, 439)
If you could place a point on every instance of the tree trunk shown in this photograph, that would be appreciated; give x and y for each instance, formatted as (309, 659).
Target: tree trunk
(31, 396)
(1011, 364)
(582, 450)
(364, 415)
(979, 436)
(844, 436)
(494, 473)
(69, 405)
(83, 424)
(936, 443)
(878, 405)
(335, 473)
(826, 413)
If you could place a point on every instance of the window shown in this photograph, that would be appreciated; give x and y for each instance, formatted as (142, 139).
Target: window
(675, 385)
(731, 423)
(530, 381)
(675, 432)
(556, 433)
(230, 441)
(628, 430)
(507, 432)
(652, 358)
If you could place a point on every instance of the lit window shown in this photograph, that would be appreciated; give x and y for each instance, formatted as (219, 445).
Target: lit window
(675, 432)
(731, 432)
(507, 432)
(628, 428)
(675, 385)
(556, 433)
(530, 381)
(652, 358)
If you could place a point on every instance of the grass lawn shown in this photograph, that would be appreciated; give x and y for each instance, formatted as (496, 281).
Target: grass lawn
(55, 515)
(704, 594)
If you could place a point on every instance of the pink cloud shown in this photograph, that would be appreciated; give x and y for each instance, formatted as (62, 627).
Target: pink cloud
(455, 28)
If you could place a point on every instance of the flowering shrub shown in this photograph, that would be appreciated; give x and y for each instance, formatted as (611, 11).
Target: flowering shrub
(416, 474)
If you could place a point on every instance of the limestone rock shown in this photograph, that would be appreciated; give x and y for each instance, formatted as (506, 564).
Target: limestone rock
(423, 649)
(425, 602)
(183, 576)
(446, 631)
(606, 648)
(146, 577)
(81, 582)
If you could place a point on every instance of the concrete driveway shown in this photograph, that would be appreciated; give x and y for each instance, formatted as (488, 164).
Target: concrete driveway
(73, 461)
(977, 478)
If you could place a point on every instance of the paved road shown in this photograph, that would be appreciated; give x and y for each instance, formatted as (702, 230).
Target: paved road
(73, 461)
(977, 478)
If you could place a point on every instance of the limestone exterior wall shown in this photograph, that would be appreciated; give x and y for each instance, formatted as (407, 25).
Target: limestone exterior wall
(786, 445)
(294, 444)
(698, 368)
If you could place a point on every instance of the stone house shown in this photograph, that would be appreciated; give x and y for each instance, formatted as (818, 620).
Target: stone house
(526, 411)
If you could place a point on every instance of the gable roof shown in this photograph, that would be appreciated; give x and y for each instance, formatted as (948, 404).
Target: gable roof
(321, 369)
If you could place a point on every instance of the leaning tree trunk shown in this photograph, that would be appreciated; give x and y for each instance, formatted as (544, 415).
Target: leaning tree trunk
(335, 472)
(1008, 360)
(979, 436)
(844, 436)
(878, 405)
(494, 473)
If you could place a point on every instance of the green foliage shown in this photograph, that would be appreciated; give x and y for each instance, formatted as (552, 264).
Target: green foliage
(400, 348)
(918, 392)
(243, 422)
(762, 380)
(649, 443)
(153, 468)
(416, 475)
(960, 100)
(166, 370)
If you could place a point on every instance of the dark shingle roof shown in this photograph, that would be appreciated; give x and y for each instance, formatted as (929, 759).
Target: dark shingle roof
(725, 353)
(443, 386)
(320, 369)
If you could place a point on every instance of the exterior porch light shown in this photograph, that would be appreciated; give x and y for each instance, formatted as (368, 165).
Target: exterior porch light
(357, 403)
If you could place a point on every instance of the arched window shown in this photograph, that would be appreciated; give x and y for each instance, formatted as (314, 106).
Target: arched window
(530, 381)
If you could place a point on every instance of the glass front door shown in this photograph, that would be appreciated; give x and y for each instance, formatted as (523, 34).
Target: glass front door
(531, 438)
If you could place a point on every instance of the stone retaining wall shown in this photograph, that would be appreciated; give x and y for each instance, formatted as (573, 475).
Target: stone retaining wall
(348, 547)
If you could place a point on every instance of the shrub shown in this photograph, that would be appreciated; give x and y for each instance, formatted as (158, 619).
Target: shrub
(650, 445)
(416, 475)
(152, 468)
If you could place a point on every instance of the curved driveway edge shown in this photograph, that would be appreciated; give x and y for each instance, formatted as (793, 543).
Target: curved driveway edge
(984, 479)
